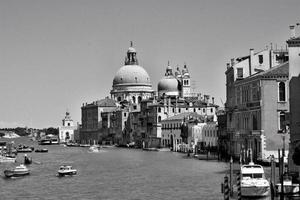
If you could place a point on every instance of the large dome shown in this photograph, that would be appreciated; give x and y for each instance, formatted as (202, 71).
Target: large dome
(131, 75)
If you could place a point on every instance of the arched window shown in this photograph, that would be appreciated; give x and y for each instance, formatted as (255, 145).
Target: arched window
(282, 121)
(281, 91)
(139, 99)
(159, 109)
(159, 118)
(133, 99)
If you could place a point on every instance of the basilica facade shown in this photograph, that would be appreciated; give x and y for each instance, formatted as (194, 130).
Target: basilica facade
(136, 111)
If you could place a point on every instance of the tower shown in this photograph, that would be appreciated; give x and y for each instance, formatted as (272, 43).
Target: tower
(186, 82)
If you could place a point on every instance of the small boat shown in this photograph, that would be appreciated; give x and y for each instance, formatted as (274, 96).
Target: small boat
(41, 150)
(6, 159)
(253, 181)
(84, 145)
(94, 149)
(289, 188)
(45, 142)
(21, 170)
(66, 170)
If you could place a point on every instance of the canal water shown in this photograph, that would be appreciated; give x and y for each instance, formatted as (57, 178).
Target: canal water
(114, 173)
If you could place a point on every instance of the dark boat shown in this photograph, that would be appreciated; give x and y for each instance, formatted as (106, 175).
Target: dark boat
(66, 170)
(41, 150)
(17, 171)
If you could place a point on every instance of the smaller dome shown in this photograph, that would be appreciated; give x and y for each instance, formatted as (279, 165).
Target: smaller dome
(167, 84)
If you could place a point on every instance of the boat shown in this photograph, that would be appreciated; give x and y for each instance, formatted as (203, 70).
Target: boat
(24, 150)
(94, 149)
(45, 142)
(253, 181)
(289, 188)
(6, 159)
(84, 145)
(21, 170)
(41, 150)
(66, 170)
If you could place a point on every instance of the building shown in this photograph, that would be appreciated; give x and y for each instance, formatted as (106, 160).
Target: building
(66, 131)
(91, 120)
(294, 91)
(135, 115)
(257, 103)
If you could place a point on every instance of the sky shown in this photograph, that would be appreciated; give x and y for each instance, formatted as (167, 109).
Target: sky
(56, 55)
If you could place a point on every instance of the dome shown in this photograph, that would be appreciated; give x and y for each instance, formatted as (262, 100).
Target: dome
(167, 84)
(131, 75)
(131, 50)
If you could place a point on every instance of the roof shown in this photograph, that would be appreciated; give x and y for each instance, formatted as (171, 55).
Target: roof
(181, 116)
(107, 102)
(279, 70)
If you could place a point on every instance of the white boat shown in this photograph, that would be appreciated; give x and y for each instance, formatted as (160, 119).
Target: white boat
(66, 170)
(5, 159)
(17, 171)
(288, 187)
(94, 149)
(253, 181)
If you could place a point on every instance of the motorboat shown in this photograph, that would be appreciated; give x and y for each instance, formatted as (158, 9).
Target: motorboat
(21, 170)
(41, 150)
(66, 170)
(94, 149)
(45, 142)
(253, 181)
(6, 159)
(24, 149)
(289, 188)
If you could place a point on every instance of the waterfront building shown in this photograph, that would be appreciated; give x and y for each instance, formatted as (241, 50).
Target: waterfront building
(257, 103)
(66, 131)
(294, 91)
(91, 120)
(172, 133)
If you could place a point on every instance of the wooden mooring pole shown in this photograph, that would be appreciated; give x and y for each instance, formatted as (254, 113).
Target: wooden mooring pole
(226, 188)
(231, 176)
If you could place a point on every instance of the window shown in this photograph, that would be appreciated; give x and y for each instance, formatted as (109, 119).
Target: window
(159, 109)
(282, 121)
(194, 109)
(119, 98)
(159, 118)
(260, 59)
(179, 110)
(69, 124)
(139, 99)
(239, 72)
(211, 110)
(125, 114)
(133, 99)
(281, 91)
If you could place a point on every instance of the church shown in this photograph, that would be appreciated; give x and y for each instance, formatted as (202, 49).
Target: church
(134, 111)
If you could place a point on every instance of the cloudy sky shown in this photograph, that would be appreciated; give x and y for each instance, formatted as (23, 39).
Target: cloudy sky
(57, 54)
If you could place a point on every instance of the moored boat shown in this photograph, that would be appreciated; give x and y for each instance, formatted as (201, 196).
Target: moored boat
(41, 150)
(253, 181)
(94, 149)
(66, 170)
(21, 170)
(6, 159)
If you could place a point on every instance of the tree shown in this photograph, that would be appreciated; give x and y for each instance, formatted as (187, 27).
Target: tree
(51, 130)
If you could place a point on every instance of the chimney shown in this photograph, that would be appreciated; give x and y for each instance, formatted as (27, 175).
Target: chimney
(232, 62)
(228, 65)
(250, 61)
(293, 31)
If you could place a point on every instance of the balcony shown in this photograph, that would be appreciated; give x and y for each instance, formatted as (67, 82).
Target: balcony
(256, 132)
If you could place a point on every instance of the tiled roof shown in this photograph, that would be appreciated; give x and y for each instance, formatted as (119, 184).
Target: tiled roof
(280, 70)
(184, 115)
